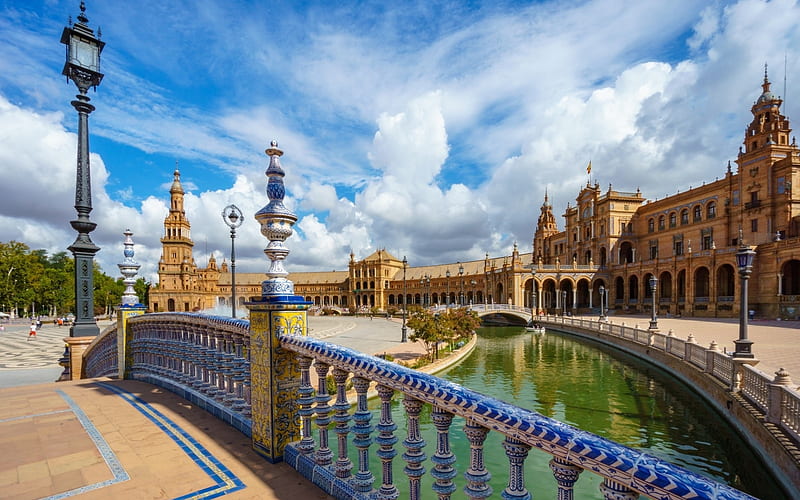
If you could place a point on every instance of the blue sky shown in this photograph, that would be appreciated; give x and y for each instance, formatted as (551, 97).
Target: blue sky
(431, 129)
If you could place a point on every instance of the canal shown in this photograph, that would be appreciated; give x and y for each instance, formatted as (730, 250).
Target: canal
(594, 388)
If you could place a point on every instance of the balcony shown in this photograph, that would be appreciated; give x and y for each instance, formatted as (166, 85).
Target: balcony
(752, 204)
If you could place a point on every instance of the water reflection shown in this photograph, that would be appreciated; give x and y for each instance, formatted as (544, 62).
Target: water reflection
(599, 390)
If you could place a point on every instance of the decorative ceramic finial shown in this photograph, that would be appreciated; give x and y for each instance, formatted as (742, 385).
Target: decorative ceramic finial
(276, 225)
(129, 268)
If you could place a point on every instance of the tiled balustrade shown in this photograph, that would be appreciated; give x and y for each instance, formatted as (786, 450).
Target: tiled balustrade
(206, 360)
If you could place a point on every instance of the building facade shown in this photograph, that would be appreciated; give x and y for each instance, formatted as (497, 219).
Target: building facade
(611, 245)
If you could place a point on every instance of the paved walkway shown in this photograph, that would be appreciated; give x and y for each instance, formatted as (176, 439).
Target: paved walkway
(94, 438)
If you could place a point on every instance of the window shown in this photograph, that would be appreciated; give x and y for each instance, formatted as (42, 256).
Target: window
(661, 223)
(588, 232)
(711, 210)
(697, 213)
(707, 239)
(679, 247)
(754, 225)
(754, 197)
(684, 216)
(781, 186)
(651, 225)
(654, 249)
(673, 220)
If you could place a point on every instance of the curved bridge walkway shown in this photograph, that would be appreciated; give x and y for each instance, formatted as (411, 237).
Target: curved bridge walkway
(125, 439)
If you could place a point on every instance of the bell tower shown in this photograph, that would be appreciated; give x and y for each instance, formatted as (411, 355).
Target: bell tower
(545, 227)
(176, 269)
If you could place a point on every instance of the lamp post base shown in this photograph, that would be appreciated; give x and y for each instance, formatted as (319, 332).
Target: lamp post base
(744, 348)
(653, 325)
(404, 338)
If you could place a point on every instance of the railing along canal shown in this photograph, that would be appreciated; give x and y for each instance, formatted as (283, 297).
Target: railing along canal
(775, 398)
(206, 360)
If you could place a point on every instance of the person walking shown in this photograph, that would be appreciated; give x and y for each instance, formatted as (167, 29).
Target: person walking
(32, 333)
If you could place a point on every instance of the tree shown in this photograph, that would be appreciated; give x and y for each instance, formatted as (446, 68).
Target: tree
(427, 329)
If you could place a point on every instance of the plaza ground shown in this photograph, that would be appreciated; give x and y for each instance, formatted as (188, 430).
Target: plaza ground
(98, 438)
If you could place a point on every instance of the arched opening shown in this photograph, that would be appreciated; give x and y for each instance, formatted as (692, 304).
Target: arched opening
(726, 283)
(626, 253)
(790, 281)
(619, 290)
(171, 305)
(633, 289)
(701, 284)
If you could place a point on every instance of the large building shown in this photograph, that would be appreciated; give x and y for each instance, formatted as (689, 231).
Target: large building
(612, 244)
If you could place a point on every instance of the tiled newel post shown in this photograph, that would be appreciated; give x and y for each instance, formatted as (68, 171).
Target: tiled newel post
(129, 308)
(274, 372)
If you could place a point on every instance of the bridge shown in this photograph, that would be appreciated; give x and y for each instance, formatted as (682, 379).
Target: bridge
(225, 365)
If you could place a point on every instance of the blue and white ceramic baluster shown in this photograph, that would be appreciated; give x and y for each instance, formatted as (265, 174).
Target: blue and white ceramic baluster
(443, 471)
(304, 402)
(341, 416)
(414, 456)
(477, 476)
(386, 440)
(614, 490)
(324, 454)
(363, 479)
(517, 452)
(566, 475)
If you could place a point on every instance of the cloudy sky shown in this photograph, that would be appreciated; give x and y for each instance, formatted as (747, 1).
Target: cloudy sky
(431, 129)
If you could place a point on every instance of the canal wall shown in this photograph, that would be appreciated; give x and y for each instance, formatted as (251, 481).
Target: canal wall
(780, 452)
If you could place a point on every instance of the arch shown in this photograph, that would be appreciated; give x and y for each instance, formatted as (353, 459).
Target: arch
(673, 219)
(587, 257)
(662, 223)
(619, 289)
(711, 209)
(171, 305)
(603, 257)
(665, 286)
(633, 289)
(790, 277)
(698, 213)
(648, 292)
(565, 288)
(548, 300)
(680, 289)
(583, 295)
(498, 293)
(651, 225)
(701, 283)
(684, 216)
(726, 283)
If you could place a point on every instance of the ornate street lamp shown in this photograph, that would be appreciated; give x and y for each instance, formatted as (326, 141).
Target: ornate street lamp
(233, 219)
(461, 275)
(473, 283)
(653, 319)
(744, 260)
(404, 331)
(428, 290)
(534, 309)
(563, 302)
(447, 301)
(603, 303)
(83, 67)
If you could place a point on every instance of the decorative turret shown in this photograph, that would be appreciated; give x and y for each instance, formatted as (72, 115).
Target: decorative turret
(276, 225)
(545, 227)
(768, 127)
(129, 268)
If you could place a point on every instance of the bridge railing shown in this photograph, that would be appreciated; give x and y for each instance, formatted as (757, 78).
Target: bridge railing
(206, 360)
(774, 397)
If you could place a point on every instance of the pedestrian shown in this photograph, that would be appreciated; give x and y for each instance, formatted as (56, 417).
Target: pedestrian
(32, 333)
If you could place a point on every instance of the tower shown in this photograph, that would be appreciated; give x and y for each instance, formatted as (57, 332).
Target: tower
(545, 227)
(176, 269)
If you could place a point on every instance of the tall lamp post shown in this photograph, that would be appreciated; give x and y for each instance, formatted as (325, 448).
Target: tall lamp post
(447, 301)
(461, 275)
(233, 219)
(404, 330)
(534, 309)
(83, 68)
(473, 283)
(603, 302)
(428, 286)
(563, 302)
(744, 260)
(653, 319)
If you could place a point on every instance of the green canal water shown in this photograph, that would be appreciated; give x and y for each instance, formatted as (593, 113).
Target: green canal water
(593, 388)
